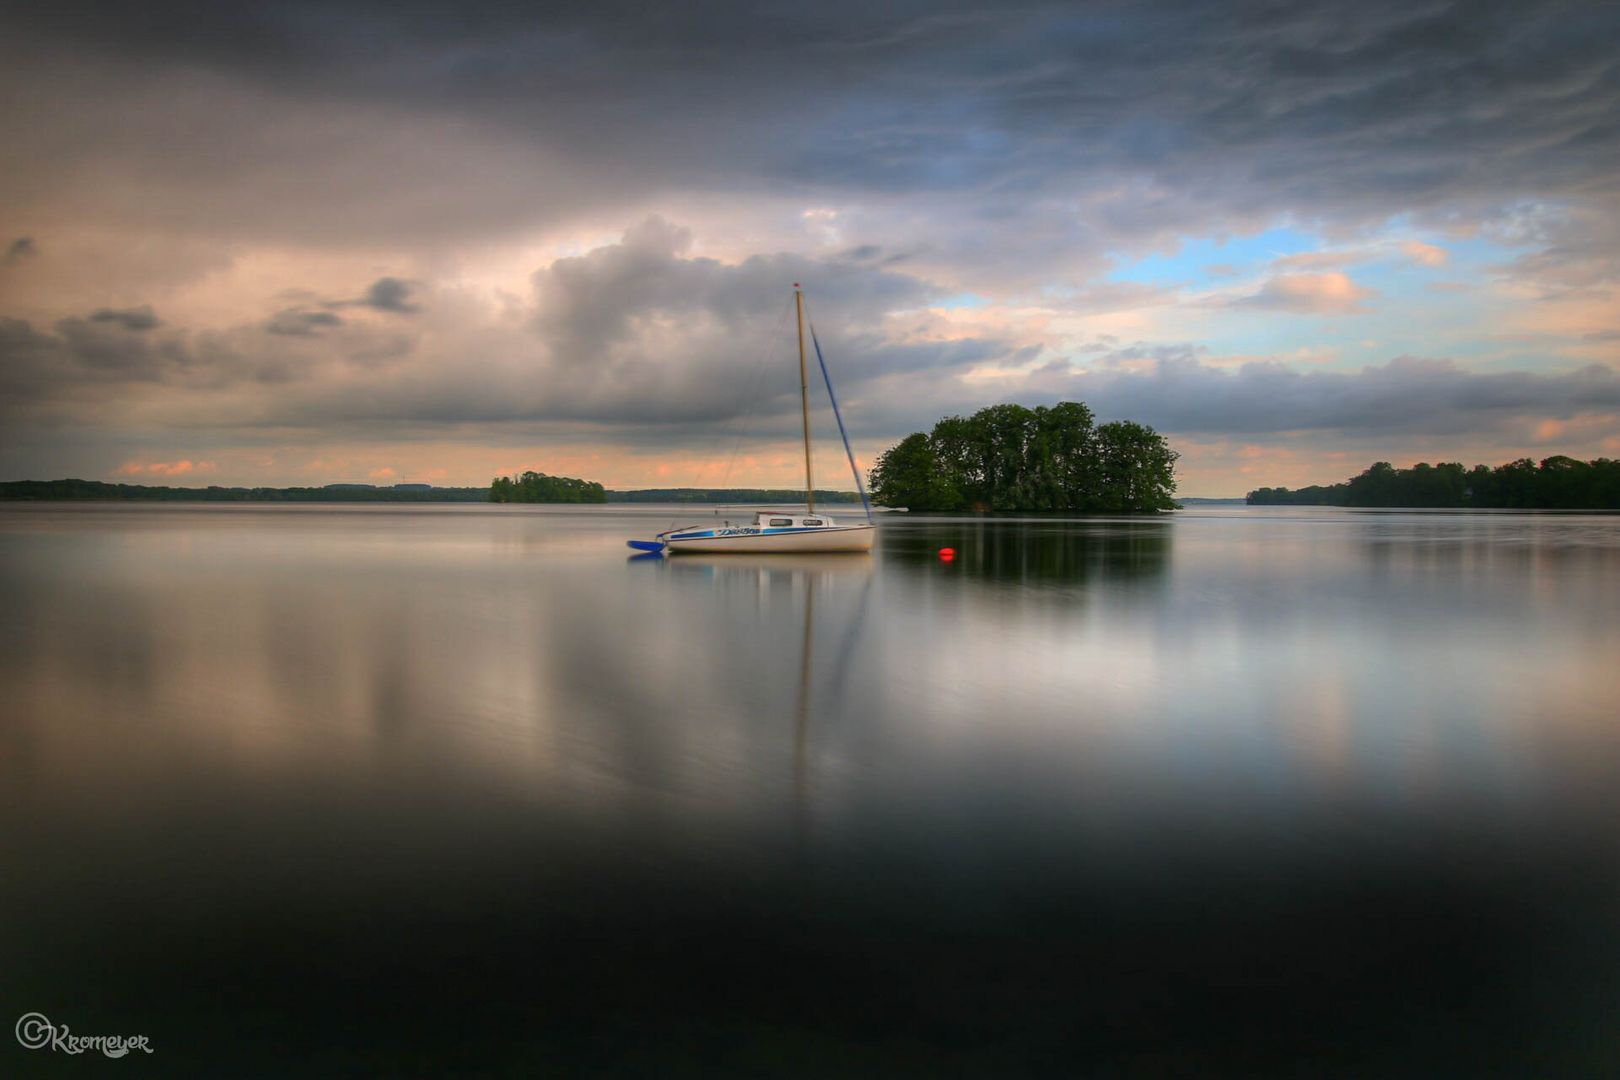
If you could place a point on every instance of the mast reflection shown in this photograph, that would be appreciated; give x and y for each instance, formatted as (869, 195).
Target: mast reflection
(777, 585)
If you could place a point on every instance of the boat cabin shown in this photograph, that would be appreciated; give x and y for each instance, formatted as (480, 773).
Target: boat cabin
(776, 519)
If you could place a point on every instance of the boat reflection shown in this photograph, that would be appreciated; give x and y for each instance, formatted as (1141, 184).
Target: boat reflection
(778, 584)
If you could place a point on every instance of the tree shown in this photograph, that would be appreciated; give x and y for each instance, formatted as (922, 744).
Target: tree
(1004, 434)
(909, 474)
(1138, 468)
(1375, 487)
(1064, 456)
(1564, 482)
(1516, 484)
(956, 441)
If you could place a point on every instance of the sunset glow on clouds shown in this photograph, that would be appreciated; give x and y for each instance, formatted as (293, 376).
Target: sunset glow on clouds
(168, 469)
(348, 243)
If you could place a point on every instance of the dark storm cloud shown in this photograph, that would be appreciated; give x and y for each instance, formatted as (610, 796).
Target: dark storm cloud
(590, 306)
(81, 357)
(109, 350)
(297, 322)
(137, 319)
(19, 249)
(390, 294)
(641, 333)
(25, 360)
(1171, 115)
(111, 354)
(1407, 396)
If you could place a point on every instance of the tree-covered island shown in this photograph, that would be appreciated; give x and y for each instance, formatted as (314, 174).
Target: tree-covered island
(537, 487)
(1557, 483)
(1009, 457)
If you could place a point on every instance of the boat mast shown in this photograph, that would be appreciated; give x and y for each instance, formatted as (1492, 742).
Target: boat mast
(804, 402)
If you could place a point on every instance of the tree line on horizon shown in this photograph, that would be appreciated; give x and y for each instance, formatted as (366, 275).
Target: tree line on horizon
(101, 491)
(737, 495)
(1556, 483)
(537, 487)
(1010, 457)
(76, 490)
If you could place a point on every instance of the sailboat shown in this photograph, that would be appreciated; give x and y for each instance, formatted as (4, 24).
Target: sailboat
(774, 531)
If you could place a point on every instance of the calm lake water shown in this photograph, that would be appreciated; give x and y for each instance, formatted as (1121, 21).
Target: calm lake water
(1243, 790)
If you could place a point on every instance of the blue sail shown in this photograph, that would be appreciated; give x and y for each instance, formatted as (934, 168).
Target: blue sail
(839, 416)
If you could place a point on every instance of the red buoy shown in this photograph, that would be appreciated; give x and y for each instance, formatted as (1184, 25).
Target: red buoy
(947, 554)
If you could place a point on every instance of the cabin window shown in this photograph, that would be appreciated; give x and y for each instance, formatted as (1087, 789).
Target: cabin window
(781, 523)
(812, 521)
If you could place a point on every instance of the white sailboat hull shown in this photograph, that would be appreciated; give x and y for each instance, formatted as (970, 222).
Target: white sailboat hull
(829, 538)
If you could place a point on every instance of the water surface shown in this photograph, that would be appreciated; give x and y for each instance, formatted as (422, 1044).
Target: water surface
(1248, 790)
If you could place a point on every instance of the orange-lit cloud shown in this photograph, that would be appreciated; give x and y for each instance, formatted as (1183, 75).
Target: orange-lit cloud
(1425, 254)
(1590, 429)
(1331, 293)
(183, 467)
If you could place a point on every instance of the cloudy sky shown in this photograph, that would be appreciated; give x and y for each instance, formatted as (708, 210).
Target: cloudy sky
(354, 241)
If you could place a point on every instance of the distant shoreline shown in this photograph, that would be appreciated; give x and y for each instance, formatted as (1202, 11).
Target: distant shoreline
(98, 491)
(74, 490)
(1559, 482)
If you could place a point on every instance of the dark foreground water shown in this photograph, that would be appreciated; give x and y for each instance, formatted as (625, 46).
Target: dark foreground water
(323, 790)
